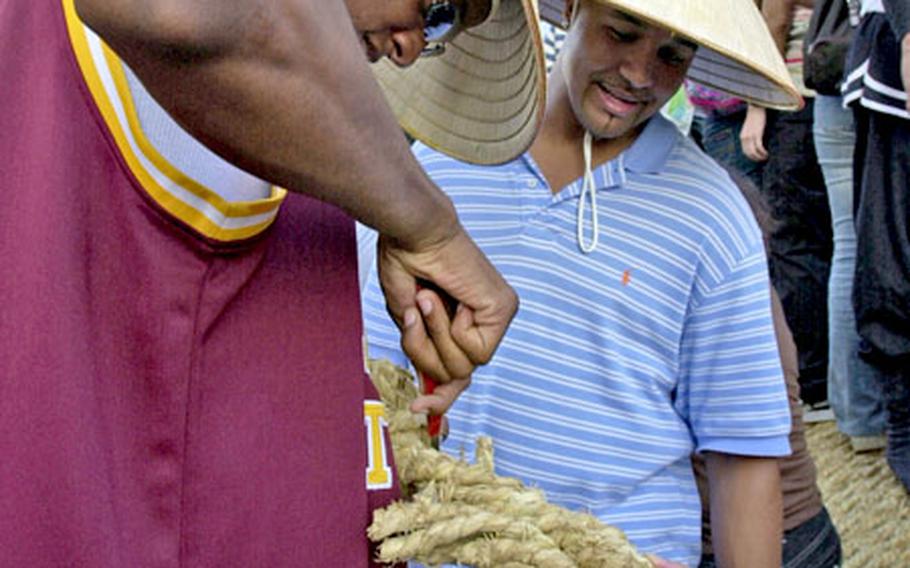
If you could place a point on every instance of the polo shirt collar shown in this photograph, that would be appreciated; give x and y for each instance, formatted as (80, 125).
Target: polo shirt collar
(649, 152)
(647, 155)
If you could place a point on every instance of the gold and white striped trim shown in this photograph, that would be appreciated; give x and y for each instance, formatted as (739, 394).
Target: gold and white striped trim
(187, 200)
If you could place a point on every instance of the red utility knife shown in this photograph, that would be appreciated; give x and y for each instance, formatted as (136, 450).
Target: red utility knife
(434, 421)
(428, 383)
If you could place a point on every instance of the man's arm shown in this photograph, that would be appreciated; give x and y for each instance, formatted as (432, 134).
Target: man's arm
(746, 510)
(778, 16)
(752, 133)
(282, 88)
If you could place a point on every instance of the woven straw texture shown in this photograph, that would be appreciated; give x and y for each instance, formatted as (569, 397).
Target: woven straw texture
(868, 505)
(483, 99)
(463, 513)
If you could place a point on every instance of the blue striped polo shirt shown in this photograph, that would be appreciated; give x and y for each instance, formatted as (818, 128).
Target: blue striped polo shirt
(620, 362)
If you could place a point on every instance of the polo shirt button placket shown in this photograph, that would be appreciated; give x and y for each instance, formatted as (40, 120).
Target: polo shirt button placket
(531, 183)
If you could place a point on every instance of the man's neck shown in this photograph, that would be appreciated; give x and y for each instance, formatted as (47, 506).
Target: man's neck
(558, 148)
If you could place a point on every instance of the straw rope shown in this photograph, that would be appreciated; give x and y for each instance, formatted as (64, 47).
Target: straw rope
(462, 513)
(866, 502)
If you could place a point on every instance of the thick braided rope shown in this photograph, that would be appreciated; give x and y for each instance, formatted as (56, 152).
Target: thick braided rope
(464, 513)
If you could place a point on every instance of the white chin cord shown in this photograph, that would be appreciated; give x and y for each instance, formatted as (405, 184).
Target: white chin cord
(587, 188)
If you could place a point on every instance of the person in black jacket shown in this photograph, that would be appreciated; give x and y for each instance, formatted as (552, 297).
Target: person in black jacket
(876, 86)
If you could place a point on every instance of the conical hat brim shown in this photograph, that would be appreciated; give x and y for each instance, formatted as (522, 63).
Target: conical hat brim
(482, 100)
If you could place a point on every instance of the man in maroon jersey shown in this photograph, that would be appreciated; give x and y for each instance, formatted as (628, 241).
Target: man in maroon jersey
(181, 374)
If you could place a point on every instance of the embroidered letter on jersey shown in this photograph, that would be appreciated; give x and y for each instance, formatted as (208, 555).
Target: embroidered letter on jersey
(379, 473)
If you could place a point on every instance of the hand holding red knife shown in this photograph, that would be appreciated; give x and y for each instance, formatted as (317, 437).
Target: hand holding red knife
(428, 383)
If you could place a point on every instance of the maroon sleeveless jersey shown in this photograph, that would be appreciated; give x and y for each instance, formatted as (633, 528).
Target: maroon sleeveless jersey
(181, 379)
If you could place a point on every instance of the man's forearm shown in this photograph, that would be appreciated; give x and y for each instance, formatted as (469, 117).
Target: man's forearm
(746, 510)
(282, 89)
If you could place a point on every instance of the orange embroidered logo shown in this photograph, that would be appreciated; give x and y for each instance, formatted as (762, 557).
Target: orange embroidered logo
(626, 277)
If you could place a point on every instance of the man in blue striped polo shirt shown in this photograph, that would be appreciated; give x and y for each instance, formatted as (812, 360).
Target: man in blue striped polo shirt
(644, 331)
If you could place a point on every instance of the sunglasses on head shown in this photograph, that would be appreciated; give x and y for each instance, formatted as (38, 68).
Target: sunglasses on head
(441, 22)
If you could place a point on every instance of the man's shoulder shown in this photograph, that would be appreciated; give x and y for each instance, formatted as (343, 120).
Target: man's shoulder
(690, 170)
(668, 157)
(455, 176)
(432, 158)
(427, 155)
(688, 160)
(706, 198)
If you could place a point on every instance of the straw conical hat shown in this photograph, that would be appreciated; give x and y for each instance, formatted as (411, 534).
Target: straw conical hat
(482, 100)
(736, 52)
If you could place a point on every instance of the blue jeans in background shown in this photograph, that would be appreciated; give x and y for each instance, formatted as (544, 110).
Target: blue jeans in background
(854, 389)
(720, 140)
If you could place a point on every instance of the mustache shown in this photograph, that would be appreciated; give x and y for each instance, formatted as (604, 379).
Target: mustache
(622, 89)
